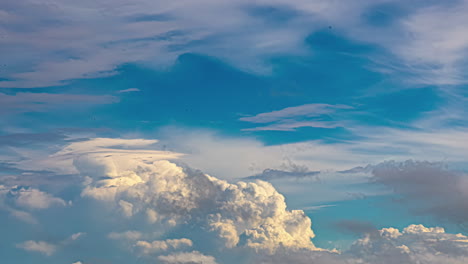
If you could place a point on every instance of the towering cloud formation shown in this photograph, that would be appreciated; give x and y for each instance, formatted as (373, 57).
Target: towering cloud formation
(248, 214)
(246, 217)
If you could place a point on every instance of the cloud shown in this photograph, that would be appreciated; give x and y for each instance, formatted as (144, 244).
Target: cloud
(38, 246)
(116, 35)
(47, 248)
(291, 125)
(415, 244)
(136, 36)
(35, 199)
(255, 211)
(429, 188)
(129, 90)
(28, 139)
(146, 247)
(444, 57)
(127, 235)
(43, 102)
(222, 219)
(271, 174)
(289, 118)
(308, 110)
(118, 152)
(144, 183)
(187, 258)
(19, 201)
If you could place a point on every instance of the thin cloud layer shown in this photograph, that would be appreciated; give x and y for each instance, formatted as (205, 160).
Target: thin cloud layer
(106, 35)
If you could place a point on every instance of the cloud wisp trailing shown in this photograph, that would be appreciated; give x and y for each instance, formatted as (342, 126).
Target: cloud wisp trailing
(106, 35)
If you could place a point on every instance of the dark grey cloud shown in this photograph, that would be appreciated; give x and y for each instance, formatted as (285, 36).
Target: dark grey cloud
(427, 188)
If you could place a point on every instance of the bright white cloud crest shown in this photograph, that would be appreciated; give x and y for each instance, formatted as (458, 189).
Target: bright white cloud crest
(165, 192)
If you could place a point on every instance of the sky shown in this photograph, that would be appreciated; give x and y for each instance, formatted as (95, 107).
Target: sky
(233, 131)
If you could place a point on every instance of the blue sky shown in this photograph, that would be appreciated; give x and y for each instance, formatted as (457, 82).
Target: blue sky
(233, 131)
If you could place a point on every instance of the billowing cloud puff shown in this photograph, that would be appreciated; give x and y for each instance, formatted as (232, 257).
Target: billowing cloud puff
(30, 198)
(250, 219)
(20, 201)
(415, 244)
(35, 199)
(146, 184)
(168, 193)
(38, 246)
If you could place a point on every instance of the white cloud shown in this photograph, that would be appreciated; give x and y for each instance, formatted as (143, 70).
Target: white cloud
(291, 125)
(173, 195)
(20, 201)
(146, 247)
(290, 118)
(36, 199)
(307, 110)
(91, 39)
(47, 248)
(436, 42)
(38, 246)
(415, 244)
(187, 258)
(127, 235)
(254, 210)
(96, 37)
(129, 90)
(247, 218)
(117, 152)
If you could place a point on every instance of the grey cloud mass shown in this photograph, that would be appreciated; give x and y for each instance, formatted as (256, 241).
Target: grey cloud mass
(431, 188)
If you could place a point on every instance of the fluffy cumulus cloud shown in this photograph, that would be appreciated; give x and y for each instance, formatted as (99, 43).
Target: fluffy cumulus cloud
(180, 215)
(165, 192)
(47, 248)
(20, 202)
(35, 199)
(414, 244)
(29, 198)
